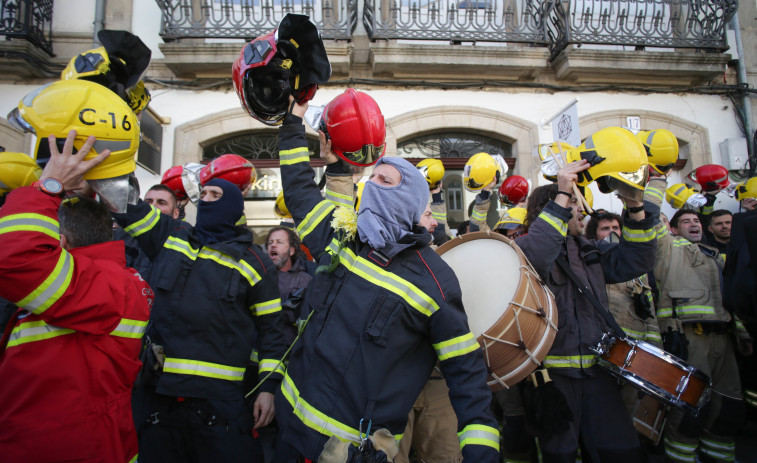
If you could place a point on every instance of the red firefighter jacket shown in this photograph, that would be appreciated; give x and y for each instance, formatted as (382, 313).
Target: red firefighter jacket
(70, 355)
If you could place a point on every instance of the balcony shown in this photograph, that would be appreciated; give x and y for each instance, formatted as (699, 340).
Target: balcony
(649, 42)
(27, 28)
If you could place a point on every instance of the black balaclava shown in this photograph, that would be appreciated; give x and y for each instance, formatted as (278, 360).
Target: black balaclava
(216, 219)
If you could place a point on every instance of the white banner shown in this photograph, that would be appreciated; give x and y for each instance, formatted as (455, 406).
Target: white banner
(565, 126)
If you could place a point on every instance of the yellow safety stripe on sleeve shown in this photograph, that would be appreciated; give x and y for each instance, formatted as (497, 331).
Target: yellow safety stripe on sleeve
(642, 335)
(206, 369)
(317, 420)
(182, 246)
(242, 221)
(266, 308)
(686, 310)
(372, 273)
(662, 232)
(558, 224)
(130, 328)
(655, 192)
(293, 156)
(29, 222)
(456, 347)
(36, 330)
(680, 242)
(338, 199)
(314, 217)
(144, 225)
(439, 216)
(740, 326)
(638, 236)
(707, 210)
(569, 361)
(721, 451)
(254, 356)
(134, 459)
(479, 434)
(249, 273)
(478, 215)
(652, 336)
(50, 290)
(274, 365)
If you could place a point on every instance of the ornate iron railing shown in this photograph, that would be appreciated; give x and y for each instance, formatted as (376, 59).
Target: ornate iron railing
(457, 20)
(247, 19)
(555, 24)
(640, 23)
(30, 20)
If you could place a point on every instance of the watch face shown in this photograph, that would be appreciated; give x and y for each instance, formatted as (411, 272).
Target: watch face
(51, 185)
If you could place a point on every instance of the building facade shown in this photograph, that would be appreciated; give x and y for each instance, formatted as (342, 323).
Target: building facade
(452, 77)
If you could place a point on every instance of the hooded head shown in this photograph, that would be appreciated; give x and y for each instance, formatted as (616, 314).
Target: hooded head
(389, 207)
(216, 218)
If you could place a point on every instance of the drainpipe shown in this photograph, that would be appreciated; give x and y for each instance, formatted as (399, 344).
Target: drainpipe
(99, 21)
(747, 104)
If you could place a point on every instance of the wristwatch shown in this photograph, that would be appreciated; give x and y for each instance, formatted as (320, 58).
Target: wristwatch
(50, 185)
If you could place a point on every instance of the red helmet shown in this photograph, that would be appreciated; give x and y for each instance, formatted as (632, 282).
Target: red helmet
(513, 190)
(230, 167)
(355, 125)
(172, 179)
(711, 177)
(290, 60)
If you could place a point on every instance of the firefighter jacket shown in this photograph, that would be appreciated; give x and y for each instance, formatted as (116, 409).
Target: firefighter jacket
(70, 355)
(480, 211)
(623, 298)
(212, 305)
(377, 327)
(688, 276)
(580, 326)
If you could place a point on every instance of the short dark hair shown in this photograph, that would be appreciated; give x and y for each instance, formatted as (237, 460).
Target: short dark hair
(536, 202)
(294, 241)
(161, 187)
(591, 227)
(84, 222)
(680, 213)
(461, 229)
(719, 213)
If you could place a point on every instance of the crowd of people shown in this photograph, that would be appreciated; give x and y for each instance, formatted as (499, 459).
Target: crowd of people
(134, 335)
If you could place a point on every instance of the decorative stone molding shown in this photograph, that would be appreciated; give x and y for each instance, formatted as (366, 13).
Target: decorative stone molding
(13, 139)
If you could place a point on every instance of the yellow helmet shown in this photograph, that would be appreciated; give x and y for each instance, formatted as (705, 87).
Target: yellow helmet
(480, 170)
(512, 218)
(90, 64)
(139, 97)
(280, 208)
(747, 189)
(17, 170)
(433, 170)
(360, 187)
(618, 162)
(676, 195)
(88, 108)
(662, 148)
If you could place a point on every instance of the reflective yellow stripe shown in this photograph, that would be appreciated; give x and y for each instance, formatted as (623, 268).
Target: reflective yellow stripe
(206, 369)
(130, 328)
(241, 266)
(254, 356)
(267, 365)
(144, 225)
(134, 460)
(558, 224)
(740, 326)
(315, 419)
(47, 293)
(265, 308)
(569, 361)
(479, 434)
(179, 245)
(478, 215)
(680, 242)
(242, 221)
(456, 347)
(662, 231)
(440, 216)
(655, 192)
(638, 236)
(653, 336)
(686, 310)
(293, 156)
(413, 296)
(339, 199)
(35, 331)
(314, 217)
(30, 222)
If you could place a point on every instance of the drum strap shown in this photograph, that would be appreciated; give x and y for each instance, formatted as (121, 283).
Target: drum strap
(606, 315)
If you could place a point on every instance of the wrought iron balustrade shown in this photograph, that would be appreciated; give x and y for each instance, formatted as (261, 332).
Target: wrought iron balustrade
(697, 24)
(457, 20)
(31, 20)
(248, 19)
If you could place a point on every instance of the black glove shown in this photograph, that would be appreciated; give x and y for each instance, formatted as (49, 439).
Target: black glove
(547, 410)
(676, 343)
(366, 454)
(642, 305)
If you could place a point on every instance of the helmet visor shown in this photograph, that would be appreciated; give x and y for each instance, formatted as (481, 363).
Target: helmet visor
(629, 185)
(17, 120)
(366, 156)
